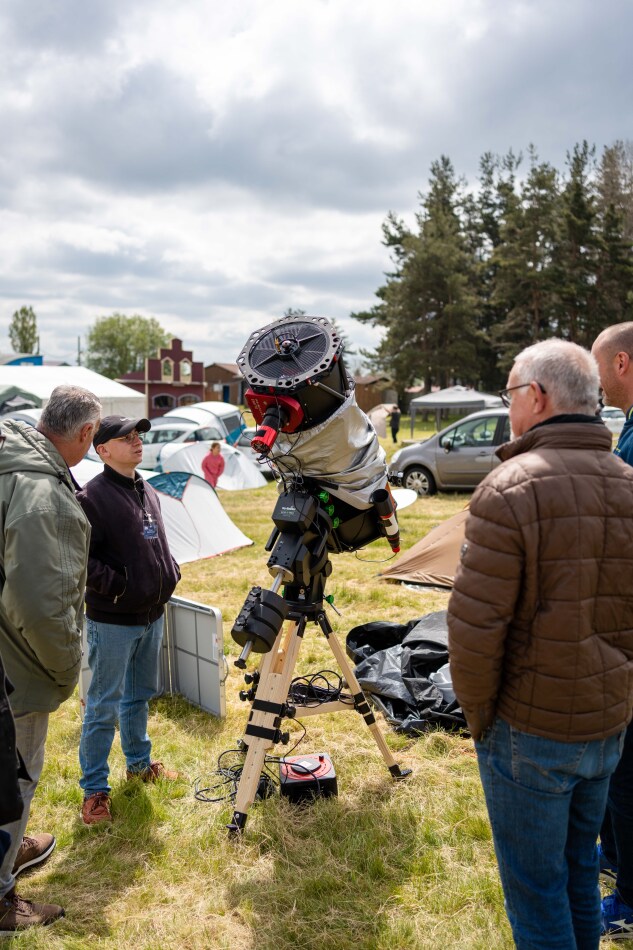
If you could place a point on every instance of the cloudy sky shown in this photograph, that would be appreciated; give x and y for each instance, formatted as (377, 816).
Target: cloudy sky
(214, 164)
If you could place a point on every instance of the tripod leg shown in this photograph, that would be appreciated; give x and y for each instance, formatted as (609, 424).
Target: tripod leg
(262, 729)
(360, 700)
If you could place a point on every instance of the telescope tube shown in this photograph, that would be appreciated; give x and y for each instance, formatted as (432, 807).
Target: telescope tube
(382, 500)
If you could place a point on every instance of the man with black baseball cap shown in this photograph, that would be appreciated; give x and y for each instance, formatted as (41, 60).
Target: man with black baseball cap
(131, 575)
(115, 427)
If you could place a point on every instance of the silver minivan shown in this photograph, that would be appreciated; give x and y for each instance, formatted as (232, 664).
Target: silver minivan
(458, 457)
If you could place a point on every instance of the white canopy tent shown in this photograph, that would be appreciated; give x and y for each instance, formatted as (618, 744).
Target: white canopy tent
(455, 399)
(40, 381)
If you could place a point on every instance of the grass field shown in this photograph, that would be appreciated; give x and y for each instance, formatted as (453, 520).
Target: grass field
(383, 865)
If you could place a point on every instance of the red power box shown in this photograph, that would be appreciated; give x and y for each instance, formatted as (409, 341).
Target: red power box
(305, 777)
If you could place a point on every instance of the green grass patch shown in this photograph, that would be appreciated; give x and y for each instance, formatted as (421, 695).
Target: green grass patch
(383, 866)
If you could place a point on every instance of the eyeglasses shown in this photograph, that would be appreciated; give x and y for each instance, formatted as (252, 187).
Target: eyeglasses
(130, 438)
(506, 399)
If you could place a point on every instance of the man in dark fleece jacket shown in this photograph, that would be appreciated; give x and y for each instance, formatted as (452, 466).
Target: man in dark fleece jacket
(131, 575)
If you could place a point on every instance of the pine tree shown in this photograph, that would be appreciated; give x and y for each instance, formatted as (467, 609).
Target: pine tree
(525, 278)
(576, 251)
(495, 204)
(428, 305)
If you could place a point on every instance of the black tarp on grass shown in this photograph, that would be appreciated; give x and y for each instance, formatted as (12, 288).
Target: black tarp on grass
(393, 663)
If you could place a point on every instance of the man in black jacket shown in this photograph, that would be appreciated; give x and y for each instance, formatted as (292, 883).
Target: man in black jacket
(131, 575)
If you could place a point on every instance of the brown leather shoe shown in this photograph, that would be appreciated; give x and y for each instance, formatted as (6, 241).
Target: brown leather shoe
(33, 850)
(17, 914)
(96, 808)
(154, 772)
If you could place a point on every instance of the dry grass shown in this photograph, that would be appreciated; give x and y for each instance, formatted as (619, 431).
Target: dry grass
(383, 865)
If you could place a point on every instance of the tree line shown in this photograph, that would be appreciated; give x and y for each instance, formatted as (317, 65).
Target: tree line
(115, 345)
(529, 253)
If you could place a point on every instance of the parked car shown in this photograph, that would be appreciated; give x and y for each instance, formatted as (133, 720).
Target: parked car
(174, 433)
(224, 415)
(613, 418)
(458, 457)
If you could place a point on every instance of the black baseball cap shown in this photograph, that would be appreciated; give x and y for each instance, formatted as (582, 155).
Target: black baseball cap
(114, 427)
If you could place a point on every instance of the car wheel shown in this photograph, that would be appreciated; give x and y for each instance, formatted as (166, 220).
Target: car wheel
(420, 480)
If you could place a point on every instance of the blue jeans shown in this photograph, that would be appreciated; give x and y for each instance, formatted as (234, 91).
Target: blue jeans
(616, 834)
(546, 800)
(30, 736)
(124, 661)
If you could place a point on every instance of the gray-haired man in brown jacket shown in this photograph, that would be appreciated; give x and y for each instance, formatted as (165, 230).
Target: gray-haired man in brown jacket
(541, 642)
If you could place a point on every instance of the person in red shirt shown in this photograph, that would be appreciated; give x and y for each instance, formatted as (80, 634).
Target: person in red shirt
(213, 464)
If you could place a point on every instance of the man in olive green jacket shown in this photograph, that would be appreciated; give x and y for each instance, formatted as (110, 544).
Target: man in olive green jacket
(44, 539)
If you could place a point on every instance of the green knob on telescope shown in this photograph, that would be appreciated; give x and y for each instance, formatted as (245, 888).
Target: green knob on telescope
(324, 496)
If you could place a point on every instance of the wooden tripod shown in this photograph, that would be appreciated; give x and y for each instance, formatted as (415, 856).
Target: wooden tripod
(270, 704)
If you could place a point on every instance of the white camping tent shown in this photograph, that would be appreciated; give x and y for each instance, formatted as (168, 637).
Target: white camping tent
(197, 525)
(455, 398)
(40, 381)
(239, 472)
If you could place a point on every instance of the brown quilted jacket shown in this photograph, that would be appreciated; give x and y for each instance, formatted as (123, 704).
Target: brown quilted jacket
(541, 615)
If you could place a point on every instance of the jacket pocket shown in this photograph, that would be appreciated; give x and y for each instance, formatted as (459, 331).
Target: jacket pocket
(122, 593)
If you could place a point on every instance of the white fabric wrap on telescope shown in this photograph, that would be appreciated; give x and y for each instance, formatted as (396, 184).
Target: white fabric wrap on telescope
(343, 454)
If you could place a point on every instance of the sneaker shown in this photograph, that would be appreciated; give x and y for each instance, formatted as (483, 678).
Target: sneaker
(608, 871)
(33, 850)
(17, 914)
(153, 772)
(96, 808)
(617, 918)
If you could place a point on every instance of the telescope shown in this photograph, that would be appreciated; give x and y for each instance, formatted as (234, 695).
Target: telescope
(334, 496)
(309, 425)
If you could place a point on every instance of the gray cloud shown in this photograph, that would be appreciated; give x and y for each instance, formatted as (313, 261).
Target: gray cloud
(551, 79)
(64, 26)
(99, 133)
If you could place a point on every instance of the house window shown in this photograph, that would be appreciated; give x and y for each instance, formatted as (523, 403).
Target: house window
(167, 370)
(163, 401)
(187, 399)
(185, 371)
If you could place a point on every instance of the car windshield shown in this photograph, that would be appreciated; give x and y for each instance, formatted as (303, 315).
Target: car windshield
(164, 434)
(472, 433)
(206, 434)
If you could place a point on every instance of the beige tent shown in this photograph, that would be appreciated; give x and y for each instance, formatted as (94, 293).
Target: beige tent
(434, 558)
(378, 417)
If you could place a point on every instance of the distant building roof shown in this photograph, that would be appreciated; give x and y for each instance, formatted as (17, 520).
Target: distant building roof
(370, 380)
(229, 367)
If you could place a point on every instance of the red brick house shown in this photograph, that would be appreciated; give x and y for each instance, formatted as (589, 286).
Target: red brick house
(169, 380)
